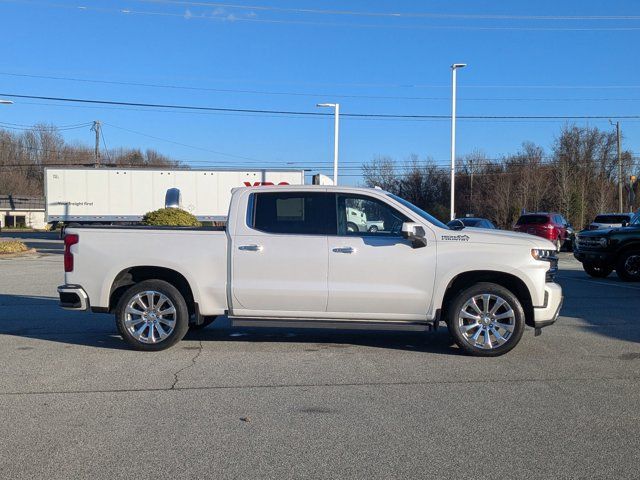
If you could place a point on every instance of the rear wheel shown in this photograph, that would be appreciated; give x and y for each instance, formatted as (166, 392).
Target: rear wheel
(597, 271)
(628, 266)
(486, 320)
(152, 315)
(352, 227)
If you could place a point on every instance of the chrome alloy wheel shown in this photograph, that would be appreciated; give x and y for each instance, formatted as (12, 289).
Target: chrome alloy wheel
(632, 265)
(150, 317)
(486, 321)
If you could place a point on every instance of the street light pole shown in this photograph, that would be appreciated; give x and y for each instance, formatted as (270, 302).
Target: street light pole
(336, 136)
(454, 69)
(620, 201)
(5, 102)
(619, 168)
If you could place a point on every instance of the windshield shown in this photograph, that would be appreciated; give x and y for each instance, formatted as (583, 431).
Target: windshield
(470, 222)
(419, 211)
(636, 219)
(611, 218)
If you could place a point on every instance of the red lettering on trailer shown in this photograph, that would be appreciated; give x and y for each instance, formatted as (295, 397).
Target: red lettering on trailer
(263, 184)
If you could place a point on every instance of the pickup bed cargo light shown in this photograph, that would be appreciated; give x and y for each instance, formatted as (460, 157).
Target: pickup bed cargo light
(69, 240)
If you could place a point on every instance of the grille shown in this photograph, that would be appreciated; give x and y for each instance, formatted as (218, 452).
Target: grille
(588, 242)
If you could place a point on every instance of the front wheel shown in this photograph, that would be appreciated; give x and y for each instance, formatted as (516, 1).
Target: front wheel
(152, 315)
(628, 266)
(597, 271)
(486, 320)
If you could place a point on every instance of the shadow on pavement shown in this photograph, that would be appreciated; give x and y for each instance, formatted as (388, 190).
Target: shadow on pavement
(608, 306)
(41, 318)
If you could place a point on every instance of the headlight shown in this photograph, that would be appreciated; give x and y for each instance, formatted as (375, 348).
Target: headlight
(544, 255)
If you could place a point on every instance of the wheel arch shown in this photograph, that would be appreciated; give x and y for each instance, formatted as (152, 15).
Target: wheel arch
(509, 281)
(132, 275)
(625, 247)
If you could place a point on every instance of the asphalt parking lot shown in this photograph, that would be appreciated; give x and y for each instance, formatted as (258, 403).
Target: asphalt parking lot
(250, 403)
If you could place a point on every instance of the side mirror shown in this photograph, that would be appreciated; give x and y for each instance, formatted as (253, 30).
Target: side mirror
(456, 224)
(625, 223)
(414, 232)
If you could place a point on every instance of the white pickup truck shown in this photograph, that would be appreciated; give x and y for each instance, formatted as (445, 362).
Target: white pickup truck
(287, 258)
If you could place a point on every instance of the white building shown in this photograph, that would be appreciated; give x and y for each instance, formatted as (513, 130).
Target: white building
(21, 211)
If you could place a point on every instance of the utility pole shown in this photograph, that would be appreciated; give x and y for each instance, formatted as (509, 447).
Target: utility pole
(96, 128)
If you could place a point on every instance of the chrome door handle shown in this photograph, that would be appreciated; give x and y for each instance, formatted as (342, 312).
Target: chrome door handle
(344, 250)
(250, 248)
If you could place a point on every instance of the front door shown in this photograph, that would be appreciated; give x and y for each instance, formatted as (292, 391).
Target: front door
(374, 273)
(280, 257)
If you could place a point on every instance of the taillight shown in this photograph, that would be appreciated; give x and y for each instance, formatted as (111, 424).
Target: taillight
(69, 239)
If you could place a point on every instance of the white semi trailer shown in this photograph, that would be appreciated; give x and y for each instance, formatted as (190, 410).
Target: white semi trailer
(117, 196)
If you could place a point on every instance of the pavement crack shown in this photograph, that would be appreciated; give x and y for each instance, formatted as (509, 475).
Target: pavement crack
(176, 375)
(175, 388)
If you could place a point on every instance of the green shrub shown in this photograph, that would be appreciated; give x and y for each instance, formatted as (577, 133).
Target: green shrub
(173, 217)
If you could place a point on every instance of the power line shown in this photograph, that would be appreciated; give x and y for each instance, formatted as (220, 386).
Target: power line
(17, 126)
(321, 114)
(396, 85)
(104, 144)
(393, 14)
(254, 115)
(182, 144)
(253, 19)
(298, 94)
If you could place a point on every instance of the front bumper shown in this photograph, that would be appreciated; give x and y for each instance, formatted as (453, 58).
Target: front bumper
(549, 312)
(594, 256)
(73, 297)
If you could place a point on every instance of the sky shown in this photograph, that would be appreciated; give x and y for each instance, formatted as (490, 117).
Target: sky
(525, 58)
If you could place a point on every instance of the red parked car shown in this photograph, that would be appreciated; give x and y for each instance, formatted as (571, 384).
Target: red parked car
(552, 226)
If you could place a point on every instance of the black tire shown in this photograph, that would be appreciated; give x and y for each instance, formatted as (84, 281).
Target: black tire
(352, 227)
(597, 271)
(628, 266)
(207, 321)
(512, 307)
(180, 317)
(373, 228)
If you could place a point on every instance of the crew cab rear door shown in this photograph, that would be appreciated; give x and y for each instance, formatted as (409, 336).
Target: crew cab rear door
(280, 256)
(375, 273)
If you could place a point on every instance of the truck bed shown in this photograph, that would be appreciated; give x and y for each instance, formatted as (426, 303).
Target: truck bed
(104, 254)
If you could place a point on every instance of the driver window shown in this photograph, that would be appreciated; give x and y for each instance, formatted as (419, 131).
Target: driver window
(366, 216)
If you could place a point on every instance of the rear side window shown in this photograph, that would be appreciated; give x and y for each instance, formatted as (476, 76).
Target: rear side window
(532, 220)
(305, 213)
(611, 218)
